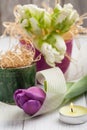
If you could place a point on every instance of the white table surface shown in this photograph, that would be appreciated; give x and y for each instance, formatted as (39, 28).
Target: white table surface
(51, 120)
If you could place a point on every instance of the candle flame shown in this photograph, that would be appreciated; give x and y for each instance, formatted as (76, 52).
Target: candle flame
(71, 107)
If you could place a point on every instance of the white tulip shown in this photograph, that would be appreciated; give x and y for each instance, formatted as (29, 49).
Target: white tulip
(65, 12)
(68, 6)
(60, 44)
(61, 17)
(52, 55)
(74, 16)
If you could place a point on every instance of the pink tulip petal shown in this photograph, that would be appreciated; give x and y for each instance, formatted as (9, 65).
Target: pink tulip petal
(20, 97)
(36, 93)
(31, 107)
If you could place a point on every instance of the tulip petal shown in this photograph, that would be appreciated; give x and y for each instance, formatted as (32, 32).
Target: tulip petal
(31, 107)
(20, 97)
(36, 93)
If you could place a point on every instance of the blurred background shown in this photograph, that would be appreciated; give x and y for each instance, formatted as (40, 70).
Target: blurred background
(7, 6)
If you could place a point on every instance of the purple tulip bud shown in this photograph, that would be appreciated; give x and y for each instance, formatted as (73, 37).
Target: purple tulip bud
(31, 106)
(30, 100)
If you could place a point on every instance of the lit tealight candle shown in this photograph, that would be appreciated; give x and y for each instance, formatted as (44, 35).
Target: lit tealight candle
(73, 114)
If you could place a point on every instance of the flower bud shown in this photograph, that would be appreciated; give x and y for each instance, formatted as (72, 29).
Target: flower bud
(30, 100)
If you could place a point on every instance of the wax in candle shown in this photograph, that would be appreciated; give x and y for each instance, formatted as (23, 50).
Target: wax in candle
(73, 111)
(73, 114)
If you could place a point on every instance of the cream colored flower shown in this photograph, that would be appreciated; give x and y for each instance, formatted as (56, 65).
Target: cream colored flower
(54, 54)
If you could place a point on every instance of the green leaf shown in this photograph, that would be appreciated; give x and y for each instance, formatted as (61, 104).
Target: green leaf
(69, 85)
(77, 88)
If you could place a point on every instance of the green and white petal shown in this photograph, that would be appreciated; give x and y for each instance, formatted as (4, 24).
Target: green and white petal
(34, 26)
(60, 44)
